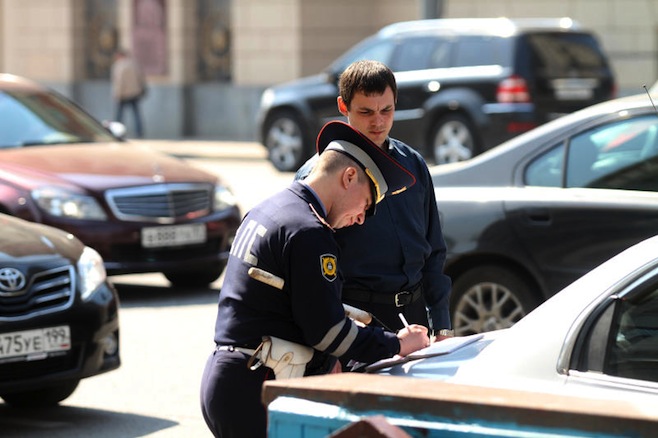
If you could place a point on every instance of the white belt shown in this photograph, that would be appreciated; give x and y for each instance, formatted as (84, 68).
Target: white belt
(247, 351)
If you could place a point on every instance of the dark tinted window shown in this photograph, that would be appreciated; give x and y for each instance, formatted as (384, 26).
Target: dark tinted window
(633, 349)
(421, 54)
(558, 54)
(472, 50)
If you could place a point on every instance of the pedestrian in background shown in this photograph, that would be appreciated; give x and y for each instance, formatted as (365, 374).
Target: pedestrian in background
(128, 88)
(394, 262)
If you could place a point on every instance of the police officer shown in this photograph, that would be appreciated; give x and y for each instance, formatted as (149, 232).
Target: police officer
(290, 237)
(403, 272)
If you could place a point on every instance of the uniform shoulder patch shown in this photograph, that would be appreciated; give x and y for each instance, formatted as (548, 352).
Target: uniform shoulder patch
(328, 266)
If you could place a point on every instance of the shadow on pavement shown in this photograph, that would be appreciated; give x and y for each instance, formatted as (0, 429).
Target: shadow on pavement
(69, 422)
(139, 295)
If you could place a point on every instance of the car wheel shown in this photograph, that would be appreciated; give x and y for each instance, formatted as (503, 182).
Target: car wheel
(454, 139)
(286, 141)
(194, 278)
(489, 298)
(47, 396)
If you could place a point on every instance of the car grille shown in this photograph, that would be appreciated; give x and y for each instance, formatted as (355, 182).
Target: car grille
(160, 203)
(47, 291)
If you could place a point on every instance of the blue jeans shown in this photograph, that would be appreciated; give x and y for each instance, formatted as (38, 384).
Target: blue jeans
(133, 103)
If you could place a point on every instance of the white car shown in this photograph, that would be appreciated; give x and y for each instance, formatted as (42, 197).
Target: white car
(596, 338)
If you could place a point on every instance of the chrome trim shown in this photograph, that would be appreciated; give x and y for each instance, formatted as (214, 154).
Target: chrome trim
(620, 288)
(607, 381)
(12, 282)
(44, 291)
(161, 203)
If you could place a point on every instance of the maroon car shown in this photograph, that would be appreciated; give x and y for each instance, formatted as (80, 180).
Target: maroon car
(142, 210)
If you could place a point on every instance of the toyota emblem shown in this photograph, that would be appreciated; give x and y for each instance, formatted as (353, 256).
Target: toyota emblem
(11, 280)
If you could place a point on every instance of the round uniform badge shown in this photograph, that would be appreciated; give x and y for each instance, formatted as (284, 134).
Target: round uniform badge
(329, 266)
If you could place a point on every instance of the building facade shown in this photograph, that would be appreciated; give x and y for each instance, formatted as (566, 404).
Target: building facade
(208, 61)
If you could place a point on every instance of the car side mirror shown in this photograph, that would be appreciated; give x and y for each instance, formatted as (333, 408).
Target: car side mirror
(117, 129)
(331, 77)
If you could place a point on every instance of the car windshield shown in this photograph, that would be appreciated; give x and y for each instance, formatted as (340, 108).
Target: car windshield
(29, 118)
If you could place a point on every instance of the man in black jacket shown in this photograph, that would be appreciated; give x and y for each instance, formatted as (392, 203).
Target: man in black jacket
(393, 263)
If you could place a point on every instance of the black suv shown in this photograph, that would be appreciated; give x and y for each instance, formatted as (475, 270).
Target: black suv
(465, 85)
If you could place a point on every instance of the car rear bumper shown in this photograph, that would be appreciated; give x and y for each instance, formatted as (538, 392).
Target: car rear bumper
(506, 121)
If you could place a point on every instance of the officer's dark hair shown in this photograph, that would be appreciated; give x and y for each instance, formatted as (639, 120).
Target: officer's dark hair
(368, 77)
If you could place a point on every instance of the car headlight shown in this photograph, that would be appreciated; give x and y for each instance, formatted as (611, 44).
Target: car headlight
(59, 202)
(267, 98)
(224, 198)
(91, 272)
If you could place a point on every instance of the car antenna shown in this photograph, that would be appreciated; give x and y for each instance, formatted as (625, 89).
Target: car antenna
(649, 94)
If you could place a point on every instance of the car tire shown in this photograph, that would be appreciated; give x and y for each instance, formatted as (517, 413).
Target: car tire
(194, 278)
(489, 298)
(47, 396)
(287, 141)
(453, 139)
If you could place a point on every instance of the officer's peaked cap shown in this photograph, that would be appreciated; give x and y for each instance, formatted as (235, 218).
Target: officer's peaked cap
(387, 175)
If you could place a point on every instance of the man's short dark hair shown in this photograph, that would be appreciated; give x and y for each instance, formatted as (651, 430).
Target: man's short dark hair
(368, 77)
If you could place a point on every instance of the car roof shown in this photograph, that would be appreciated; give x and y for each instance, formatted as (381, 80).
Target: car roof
(501, 26)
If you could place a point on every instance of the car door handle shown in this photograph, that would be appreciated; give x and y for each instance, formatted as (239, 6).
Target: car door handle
(538, 216)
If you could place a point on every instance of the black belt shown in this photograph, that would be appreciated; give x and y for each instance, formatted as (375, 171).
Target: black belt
(247, 351)
(399, 299)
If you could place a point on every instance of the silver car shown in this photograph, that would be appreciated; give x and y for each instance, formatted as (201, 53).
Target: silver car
(596, 338)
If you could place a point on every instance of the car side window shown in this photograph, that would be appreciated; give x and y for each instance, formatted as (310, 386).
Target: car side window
(622, 340)
(547, 169)
(633, 350)
(475, 50)
(380, 50)
(420, 54)
(621, 156)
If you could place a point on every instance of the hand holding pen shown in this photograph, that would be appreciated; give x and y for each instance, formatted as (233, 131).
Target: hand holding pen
(412, 338)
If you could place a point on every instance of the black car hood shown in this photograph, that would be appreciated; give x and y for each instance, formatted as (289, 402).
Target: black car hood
(19, 238)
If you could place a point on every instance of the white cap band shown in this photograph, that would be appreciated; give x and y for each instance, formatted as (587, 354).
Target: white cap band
(362, 157)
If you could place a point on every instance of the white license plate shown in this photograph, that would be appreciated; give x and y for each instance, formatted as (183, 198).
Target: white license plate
(35, 344)
(574, 89)
(173, 235)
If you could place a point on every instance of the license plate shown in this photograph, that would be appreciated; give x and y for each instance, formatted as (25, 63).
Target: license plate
(35, 344)
(173, 235)
(574, 89)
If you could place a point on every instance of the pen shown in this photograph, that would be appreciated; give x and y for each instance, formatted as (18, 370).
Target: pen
(404, 320)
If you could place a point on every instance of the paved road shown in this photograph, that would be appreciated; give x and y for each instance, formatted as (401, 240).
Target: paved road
(166, 333)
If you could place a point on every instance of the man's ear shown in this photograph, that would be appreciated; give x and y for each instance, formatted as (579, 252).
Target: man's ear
(349, 175)
(342, 107)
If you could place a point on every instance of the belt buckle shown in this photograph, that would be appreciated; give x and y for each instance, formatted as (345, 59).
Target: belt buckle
(399, 295)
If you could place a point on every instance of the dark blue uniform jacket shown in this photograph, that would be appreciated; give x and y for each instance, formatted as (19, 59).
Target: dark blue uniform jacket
(288, 237)
(402, 245)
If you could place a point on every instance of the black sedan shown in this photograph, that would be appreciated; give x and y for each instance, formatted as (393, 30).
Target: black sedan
(532, 215)
(59, 320)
